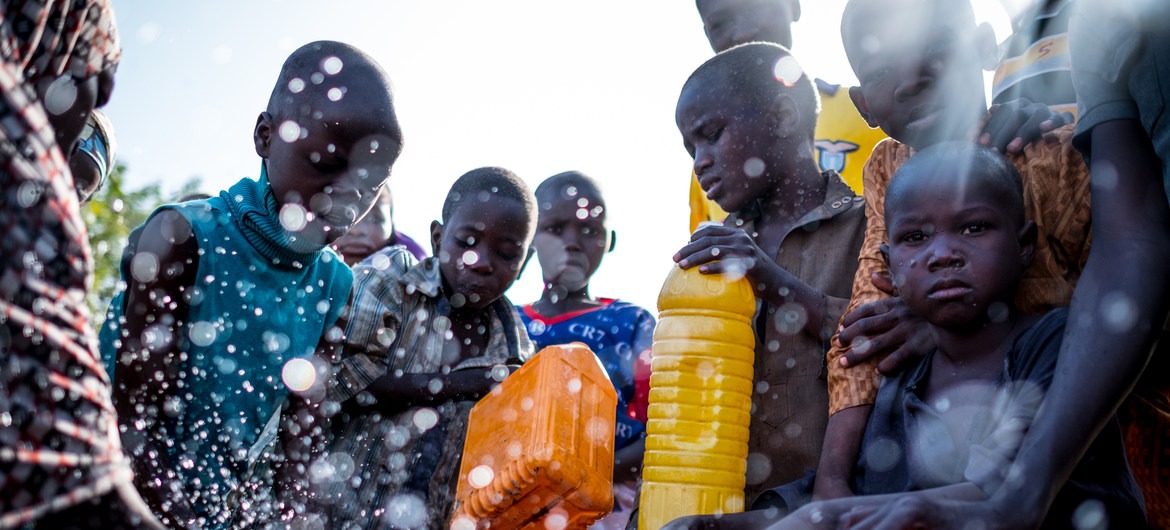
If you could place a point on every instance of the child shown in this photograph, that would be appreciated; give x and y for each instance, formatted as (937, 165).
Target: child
(374, 231)
(920, 81)
(422, 343)
(571, 239)
(948, 426)
(843, 140)
(794, 231)
(220, 292)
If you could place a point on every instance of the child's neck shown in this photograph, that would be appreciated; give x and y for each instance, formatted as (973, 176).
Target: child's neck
(556, 301)
(799, 192)
(976, 352)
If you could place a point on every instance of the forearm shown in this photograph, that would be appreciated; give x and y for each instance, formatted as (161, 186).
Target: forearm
(832, 513)
(396, 393)
(1117, 311)
(841, 447)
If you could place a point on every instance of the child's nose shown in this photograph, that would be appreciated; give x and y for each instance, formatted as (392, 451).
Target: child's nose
(912, 84)
(943, 254)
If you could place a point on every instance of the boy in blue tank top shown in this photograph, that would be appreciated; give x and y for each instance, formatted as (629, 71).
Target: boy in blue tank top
(571, 238)
(221, 292)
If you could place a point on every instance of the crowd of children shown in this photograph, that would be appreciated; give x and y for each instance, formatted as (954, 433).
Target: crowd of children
(943, 348)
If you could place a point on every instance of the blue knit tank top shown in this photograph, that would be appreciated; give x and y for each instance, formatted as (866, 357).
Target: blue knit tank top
(256, 304)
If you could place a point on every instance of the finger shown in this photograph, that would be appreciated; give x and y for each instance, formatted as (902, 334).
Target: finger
(916, 343)
(1002, 125)
(1029, 131)
(883, 282)
(865, 311)
(1057, 121)
(881, 321)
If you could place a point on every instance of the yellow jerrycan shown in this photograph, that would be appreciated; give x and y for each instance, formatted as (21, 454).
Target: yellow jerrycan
(539, 448)
(700, 398)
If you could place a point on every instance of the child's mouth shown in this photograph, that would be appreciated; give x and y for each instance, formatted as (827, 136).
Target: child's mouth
(948, 293)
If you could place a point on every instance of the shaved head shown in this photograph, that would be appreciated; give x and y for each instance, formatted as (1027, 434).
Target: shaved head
(333, 71)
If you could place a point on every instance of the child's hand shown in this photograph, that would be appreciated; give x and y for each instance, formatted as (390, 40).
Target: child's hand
(888, 329)
(1011, 126)
(721, 249)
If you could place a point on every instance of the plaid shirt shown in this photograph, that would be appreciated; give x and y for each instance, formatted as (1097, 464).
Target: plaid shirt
(396, 323)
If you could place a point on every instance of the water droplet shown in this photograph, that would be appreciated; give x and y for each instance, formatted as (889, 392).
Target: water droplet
(296, 85)
(406, 511)
(148, 32)
(470, 257)
(462, 522)
(574, 385)
(556, 521)
(60, 95)
(299, 374)
(331, 65)
(290, 131)
(316, 78)
(582, 213)
(754, 167)
(499, 372)
(480, 476)
(335, 94)
(788, 70)
(144, 267)
(202, 333)
(293, 217)
(1090, 515)
(425, 419)
(1119, 312)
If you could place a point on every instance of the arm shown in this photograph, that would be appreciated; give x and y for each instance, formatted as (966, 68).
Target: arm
(852, 512)
(145, 390)
(1100, 363)
(391, 393)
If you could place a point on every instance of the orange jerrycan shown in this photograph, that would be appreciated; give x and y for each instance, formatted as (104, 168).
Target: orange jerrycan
(539, 448)
(700, 398)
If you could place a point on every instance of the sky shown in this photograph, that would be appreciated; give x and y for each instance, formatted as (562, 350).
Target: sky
(535, 86)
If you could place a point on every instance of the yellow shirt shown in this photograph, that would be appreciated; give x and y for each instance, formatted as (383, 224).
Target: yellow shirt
(843, 142)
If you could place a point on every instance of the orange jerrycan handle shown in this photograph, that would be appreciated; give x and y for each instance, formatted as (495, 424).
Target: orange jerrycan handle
(539, 447)
(700, 398)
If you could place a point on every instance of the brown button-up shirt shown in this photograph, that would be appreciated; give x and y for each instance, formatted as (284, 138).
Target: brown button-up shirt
(790, 400)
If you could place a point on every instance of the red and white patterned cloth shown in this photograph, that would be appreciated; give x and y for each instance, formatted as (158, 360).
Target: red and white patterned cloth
(59, 442)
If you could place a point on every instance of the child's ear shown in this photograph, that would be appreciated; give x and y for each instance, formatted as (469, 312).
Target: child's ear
(1027, 237)
(436, 237)
(885, 249)
(862, 106)
(612, 241)
(784, 115)
(262, 135)
(985, 44)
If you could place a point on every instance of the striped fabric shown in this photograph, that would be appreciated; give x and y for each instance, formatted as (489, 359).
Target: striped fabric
(59, 443)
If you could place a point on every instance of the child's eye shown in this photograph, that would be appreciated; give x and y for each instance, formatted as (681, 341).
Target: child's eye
(713, 134)
(914, 237)
(553, 229)
(973, 228)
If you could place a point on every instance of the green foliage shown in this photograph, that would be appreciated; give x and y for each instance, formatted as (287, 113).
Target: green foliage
(110, 217)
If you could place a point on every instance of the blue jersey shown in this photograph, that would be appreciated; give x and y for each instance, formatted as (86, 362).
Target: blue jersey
(617, 332)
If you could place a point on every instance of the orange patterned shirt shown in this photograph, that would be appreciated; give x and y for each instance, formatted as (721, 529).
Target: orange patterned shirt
(1056, 197)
